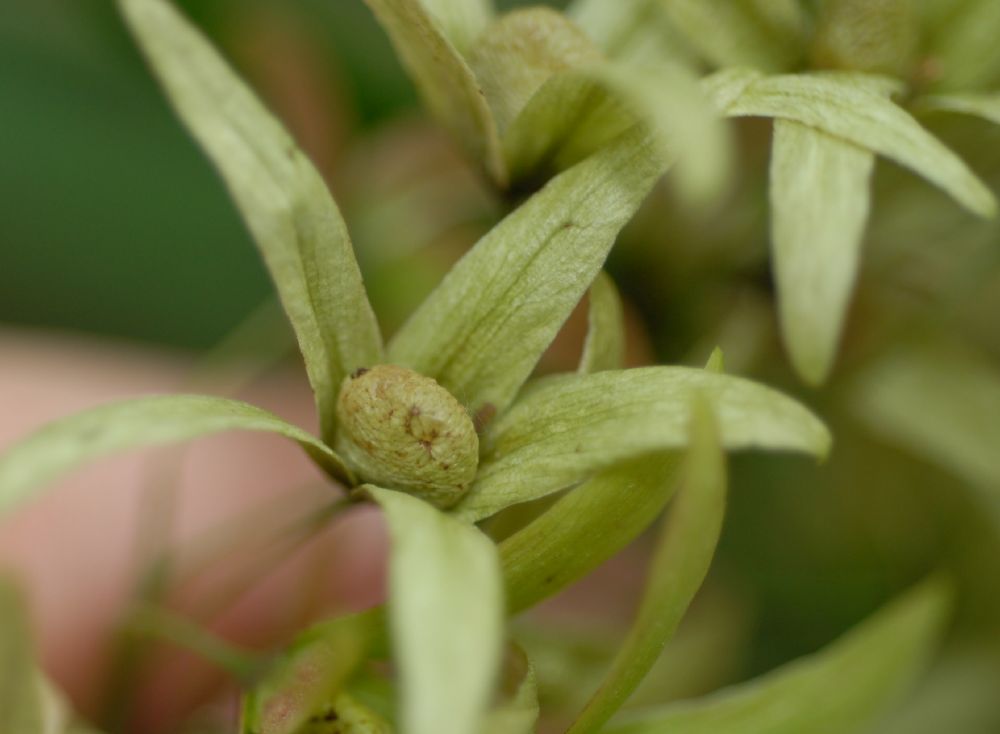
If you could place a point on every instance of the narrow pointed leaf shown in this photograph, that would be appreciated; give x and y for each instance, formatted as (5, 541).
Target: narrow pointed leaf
(716, 361)
(521, 51)
(726, 86)
(941, 402)
(374, 688)
(834, 691)
(21, 707)
(568, 118)
(92, 434)
(157, 622)
(577, 111)
(280, 194)
(887, 86)
(461, 21)
(446, 615)
(585, 528)
(608, 23)
(304, 681)
(28, 702)
(444, 79)
(481, 332)
(679, 565)
(856, 112)
(604, 347)
(568, 427)
(820, 193)
(986, 106)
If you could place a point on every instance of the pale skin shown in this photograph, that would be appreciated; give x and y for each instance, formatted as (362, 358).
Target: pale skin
(77, 552)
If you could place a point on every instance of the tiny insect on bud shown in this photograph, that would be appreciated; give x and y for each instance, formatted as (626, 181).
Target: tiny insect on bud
(401, 430)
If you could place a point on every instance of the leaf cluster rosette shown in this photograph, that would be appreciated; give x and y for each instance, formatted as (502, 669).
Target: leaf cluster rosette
(443, 426)
(843, 80)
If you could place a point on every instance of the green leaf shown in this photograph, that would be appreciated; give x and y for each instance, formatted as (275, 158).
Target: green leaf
(608, 23)
(446, 615)
(520, 51)
(940, 401)
(834, 691)
(461, 21)
(820, 193)
(585, 528)
(986, 106)
(518, 712)
(565, 428)
(958, 694)
(851, 109)
(568, 118)
(887, 86)
(20, 700)
(604, 347)
(726, 86)
(572, 660)
(154, 621)
(636, 32)
(579, 110)
(716, 361)
(481, 332)
(708, 649)
(374, 688)
(306, 680)
(28, 702)
(444, 79)
(68, 443)
(56, 714)
(763, 35)
(280, 194)
(680, 562)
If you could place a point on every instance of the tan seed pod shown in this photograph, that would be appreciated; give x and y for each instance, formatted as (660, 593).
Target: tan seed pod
(520, 51)
(401, 430)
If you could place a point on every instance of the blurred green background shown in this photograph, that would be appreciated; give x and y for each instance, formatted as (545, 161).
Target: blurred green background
(111, 221)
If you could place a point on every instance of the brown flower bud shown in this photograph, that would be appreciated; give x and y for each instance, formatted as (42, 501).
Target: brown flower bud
(520, 51)
(401, 430)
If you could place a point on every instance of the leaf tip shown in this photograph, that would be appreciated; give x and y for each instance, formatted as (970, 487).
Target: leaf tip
(977, 197)
(716, 361)
(989, 208)
(927, 607)
(812, 366)
(820, 443)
